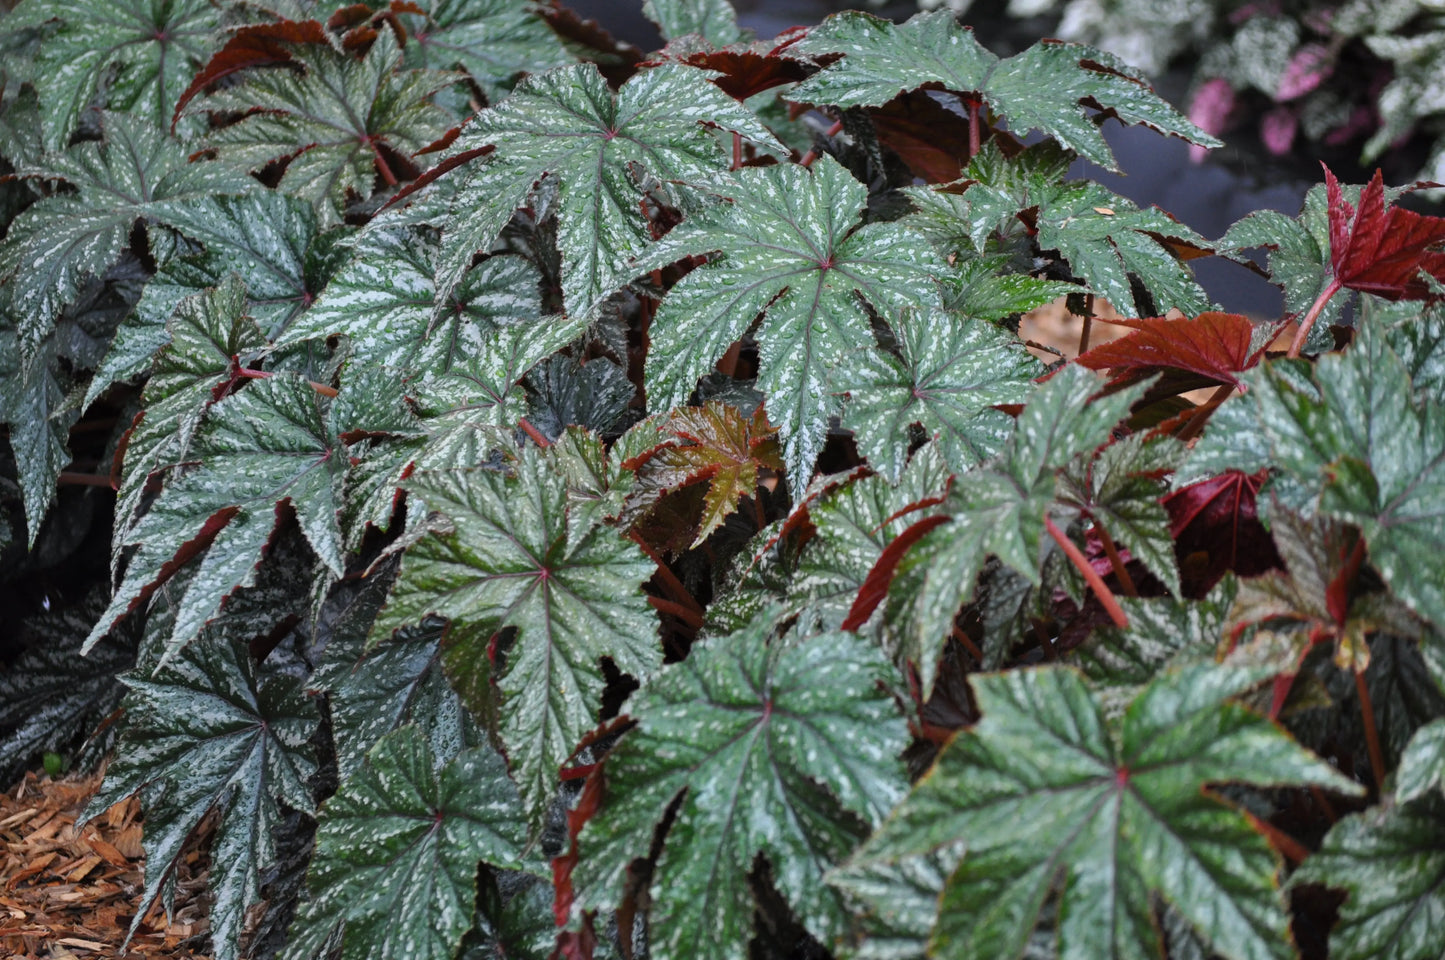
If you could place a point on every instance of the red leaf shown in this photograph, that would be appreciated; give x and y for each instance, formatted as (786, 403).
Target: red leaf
(1214, 345)
(617, 60)
(262, 45)
(880, 578)
(1379, 250)
(931, 139)
(1216, 529)
(746, 70)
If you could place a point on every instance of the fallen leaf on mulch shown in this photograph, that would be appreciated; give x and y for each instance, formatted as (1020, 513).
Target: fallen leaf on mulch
(71, 892)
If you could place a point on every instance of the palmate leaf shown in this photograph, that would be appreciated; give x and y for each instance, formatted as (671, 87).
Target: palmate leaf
(523, 557)
(998, 510)
(951, 374)
(566, 124)
(494, 41)
(712, 444)
(264, 445)
(1050, 800)
(1042, 88)
(50, 696)
(382, 302)
(855, 525)
(784, 749)
(336, 117)
(32, 404)
(1348, 438)
(53, 246)
(153, 47)
(211, 732)
(210, 335)
(1105, 238)
(1390, 863)
(369, 694)
(791, 249)
(395, 868)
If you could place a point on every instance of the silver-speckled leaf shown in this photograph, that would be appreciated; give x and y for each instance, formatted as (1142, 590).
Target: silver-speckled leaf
(790, 248)
(335, 117)
(266, 444)
(1050, 799)
(32, 404)
(1348, 437)
(494, 41)
(56, 243)
(522, 556)
(786, 749)
(395, 868)
(207, 732)
(714, 20)
(952, 373)
(1043, 88)
(139, 55)
(567, 124)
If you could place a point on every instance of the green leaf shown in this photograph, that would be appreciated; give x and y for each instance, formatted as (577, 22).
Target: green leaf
(52, 247)
(999, 511)
(714, 20)
(522, 557)
(494, 41)
(335, 116)
(1390, 862)
(1120, 491)
(786, 750)
(383, 301)
(1050, 799)
(154, 48)
(208, 732)
(399, 682)
(49, 695)
(855, 525)
(260, 447)
(567, 125)
(395, 868)
(268, 239)
(209, 334)
(950, 375)
(791, 249)
(1042, 88)
(32, 404)
(1422, 765)
(1348, 438)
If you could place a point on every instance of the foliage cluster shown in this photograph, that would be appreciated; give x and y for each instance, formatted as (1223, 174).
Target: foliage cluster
(1363, 74)
(562, 499)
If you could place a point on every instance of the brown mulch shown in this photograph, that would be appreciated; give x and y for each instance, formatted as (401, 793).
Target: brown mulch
(71, 892)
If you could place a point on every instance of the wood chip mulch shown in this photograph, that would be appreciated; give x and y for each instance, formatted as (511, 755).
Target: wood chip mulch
(69, 893)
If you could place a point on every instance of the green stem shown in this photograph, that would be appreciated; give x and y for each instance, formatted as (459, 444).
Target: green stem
(1308, 322)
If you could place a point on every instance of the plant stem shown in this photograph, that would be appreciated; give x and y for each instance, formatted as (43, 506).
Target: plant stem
(1372, 733)
(320, 388)
(1202, 413)
(1294, 851)
(1316, 308)
(1126, 582)
(537, 436)
(69, 478)
(381, 165)
(669, 580)
(689, 617)
(968, 644)
(974, 134)
(812, 154)
(1088, 323)
(1096, 583)
(737, 151)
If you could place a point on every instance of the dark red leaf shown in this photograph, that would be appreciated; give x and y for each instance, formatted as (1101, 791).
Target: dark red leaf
(931, 139)
(880, 578)
(616, 59)
(1382, 250)
(262, 45)
(1216, 529)
(450, 163)
(1214, 345)
(746, 70)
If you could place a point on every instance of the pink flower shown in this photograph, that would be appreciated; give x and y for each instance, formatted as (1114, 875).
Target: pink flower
(1310, 66)
(1209, 110)
(1277, 129)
